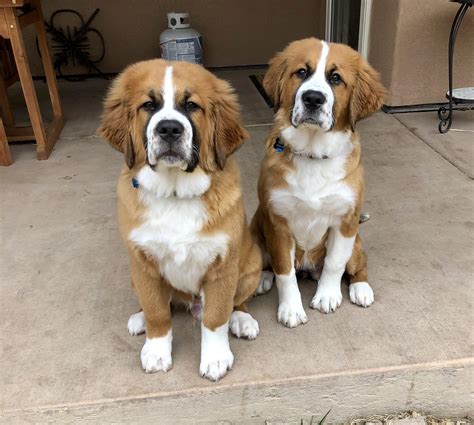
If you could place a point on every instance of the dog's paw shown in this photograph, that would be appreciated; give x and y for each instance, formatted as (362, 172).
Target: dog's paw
(156, 354)
(216, 357)
(361, 294)
(291, 314)
(266, 282)
(214, 365)
(136, 324)
(243, 325)
(327, 298)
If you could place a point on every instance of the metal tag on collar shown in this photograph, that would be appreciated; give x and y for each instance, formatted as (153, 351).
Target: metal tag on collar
(278, 146)
(135, 183)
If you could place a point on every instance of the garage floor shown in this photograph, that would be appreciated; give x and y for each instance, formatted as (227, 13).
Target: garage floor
(65, 293)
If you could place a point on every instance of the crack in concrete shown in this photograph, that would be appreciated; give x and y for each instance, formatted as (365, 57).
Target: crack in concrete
(92, 136)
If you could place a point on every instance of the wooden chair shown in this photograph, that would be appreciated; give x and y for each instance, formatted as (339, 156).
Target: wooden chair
(5, 157)
(14, 15)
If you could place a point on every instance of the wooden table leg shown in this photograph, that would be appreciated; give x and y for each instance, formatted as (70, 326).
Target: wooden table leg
(5, 157)
(43, 149)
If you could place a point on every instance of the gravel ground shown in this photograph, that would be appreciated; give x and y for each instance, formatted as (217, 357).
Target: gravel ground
(406, 418)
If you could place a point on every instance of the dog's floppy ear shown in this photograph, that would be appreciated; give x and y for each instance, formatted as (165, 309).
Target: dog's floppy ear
(116, 122)
(273, 80)
(368, 93)
(228, 133)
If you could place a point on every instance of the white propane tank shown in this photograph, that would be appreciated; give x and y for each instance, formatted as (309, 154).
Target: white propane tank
(180, 42)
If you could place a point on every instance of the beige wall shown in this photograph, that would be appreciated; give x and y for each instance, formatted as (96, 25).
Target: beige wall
(235, 32)
(409, 46)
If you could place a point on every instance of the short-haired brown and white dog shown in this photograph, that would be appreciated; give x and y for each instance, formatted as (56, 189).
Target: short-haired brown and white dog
(180, 207)
(311, 181)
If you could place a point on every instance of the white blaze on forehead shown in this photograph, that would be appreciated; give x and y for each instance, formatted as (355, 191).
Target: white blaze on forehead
(168, 112)
(168, 89)
(320, 74)
(317, 82)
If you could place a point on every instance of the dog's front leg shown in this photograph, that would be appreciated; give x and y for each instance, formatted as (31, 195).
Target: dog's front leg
(154, 295)
(281, 247)
(328, 296)
(217, 294)
(290, 309)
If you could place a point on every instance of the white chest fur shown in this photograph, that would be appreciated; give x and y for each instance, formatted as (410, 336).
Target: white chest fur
(171, 232)
(316, 197)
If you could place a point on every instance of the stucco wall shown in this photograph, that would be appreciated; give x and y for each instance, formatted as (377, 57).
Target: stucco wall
(243, 32)
(409, 46)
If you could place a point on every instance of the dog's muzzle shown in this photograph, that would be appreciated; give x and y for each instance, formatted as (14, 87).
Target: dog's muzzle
(313, 100)
(168, 145)
(169, 130)
(312, 110)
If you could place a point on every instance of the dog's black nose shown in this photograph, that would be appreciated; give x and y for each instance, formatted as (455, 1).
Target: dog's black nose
(313, 99)
(170, 130)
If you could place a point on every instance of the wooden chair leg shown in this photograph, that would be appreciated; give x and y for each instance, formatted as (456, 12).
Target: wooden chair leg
(47, 63)
(5, 109)
(5, 157)
(43, 149)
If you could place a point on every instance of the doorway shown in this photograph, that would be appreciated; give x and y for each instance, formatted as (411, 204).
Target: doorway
(348, 22)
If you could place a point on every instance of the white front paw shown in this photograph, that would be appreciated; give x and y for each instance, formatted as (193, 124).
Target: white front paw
(216, 357)
(243, 325)
(291, 314)
(266, 282)
(156, 354)
(136, 324)
(361, 294)
(327, 298)
(215, 365)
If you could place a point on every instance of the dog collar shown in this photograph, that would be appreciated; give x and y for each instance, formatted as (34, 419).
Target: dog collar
(135, 183)
(279, 147)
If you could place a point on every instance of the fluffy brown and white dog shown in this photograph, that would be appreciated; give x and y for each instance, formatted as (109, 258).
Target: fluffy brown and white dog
(311, 183)
(180, 207)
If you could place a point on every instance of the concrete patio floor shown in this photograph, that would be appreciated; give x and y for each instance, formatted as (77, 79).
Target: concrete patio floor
(65, 298)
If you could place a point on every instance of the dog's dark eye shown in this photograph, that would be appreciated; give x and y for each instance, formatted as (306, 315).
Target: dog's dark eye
(302, 73)
(149, 106)
(335, 79)
(191, 106)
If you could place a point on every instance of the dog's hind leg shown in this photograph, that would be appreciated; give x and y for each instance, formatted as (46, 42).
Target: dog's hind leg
(242, 324)
(267, 277)
(136, 323)
(360, 291)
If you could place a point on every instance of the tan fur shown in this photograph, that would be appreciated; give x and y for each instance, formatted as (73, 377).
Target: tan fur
(232, 279)
(360, 96)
